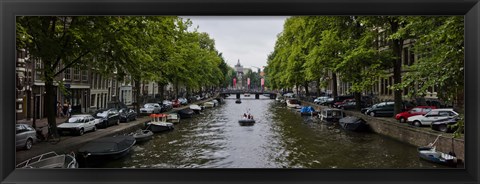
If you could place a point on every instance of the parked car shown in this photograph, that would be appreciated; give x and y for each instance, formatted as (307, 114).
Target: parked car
(381, 109)
(338, 99)
(183, 101)
(445, 125)
(321, 99)
(327, 101)
(78, 124)
(150, 108)
(25, 136)
(167, 105)
(336, 104)
(433, 115)
(107, 117)
(350, 105)
(176, 103)
(419, 110)
(127, 115)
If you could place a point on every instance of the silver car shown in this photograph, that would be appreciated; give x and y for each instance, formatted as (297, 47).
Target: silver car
(25, 136)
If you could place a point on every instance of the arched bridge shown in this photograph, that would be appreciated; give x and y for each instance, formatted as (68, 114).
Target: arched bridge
(257, 93)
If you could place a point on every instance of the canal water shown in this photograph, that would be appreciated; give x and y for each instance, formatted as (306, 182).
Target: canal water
(280, 138)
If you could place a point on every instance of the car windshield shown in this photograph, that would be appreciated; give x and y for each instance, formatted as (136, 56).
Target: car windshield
(415, 110)
(148, 106)
(75, 120)
(102, 114)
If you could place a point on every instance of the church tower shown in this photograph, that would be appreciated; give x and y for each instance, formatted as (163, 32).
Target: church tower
(239, 70)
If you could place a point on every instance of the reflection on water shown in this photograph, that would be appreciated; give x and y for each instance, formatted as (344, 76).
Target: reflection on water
(280, 138)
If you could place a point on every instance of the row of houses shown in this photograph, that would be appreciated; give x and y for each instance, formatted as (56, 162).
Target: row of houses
(381, 89)
(85, 90)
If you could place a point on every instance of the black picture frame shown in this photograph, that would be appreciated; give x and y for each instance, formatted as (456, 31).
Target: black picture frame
(9, 9)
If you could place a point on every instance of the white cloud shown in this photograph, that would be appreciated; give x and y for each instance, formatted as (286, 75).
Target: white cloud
(248, 38)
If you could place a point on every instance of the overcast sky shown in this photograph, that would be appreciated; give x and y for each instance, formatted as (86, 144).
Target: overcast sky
(248, 38)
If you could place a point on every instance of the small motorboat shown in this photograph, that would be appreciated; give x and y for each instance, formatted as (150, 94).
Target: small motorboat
(353, 123)
(432, 155)
(308, 111)
(185, 113)
(208, 104)
(173, 118)
(247, 120)
(159, 123)
(50, 160)
(142, 135)
(105, 149)
(238, 101)
(330, 116)
(246, 95)
(215, 102)
(196, 108)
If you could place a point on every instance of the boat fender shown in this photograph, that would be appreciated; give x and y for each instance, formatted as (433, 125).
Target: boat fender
(452, 153)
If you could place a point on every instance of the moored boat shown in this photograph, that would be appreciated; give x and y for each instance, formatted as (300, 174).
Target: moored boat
(142, 135)
(353, 123)
(50, 160)
(432, 155)
(208, 104)
(173, 118)
(196, 108)
(159, 123)
(308, 111)
(105, 149)
(215, 102)
(238, 101)
(330, 116)
(186, 113)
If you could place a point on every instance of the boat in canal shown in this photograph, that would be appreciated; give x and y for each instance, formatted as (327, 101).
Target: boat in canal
(185, 113)
(353, 123)
(308, 111)
(215, 102)
(142, 135)
(196, 108)
(247, 120)
(293, 103)
(432, 155)
(50, 160)
(105, 149)
(159, 123)
(209, 104)
(238, 101)
(330, 116)
(173, 117)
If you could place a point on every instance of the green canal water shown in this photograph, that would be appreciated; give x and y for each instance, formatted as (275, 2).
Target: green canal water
(280, 138)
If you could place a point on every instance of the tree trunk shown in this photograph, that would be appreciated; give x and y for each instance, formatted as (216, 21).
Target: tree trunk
(334, 85)
(306, 89)
(397, 74)
(319, 91)
(358, 100)
(49, 106)
(137, 95)
(161, 90)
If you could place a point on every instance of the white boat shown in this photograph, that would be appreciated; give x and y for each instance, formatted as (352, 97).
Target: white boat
(159, 123)
(293, 103)
(50, 160)
(215, 103)
(246, 95)
(173, 118)
(209, 104)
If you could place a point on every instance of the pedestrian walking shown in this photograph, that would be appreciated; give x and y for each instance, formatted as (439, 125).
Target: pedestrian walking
(59, 110)
(69, 109)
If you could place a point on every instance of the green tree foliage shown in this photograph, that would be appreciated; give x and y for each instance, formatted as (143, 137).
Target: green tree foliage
(139, 48)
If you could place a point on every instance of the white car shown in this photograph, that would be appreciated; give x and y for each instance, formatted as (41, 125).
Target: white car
(321, 99)
(78, 124)
(150, 108)
(433, 115)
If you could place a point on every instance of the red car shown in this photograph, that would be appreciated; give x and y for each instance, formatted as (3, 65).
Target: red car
(176, 103)
(336, 104)
(419, 110)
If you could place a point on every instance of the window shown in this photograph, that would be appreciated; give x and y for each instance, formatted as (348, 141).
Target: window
(405, 56)
(412, 58)
(67, 74)
(84, 76)
(92, 100)
(444, 113)
(76, 74)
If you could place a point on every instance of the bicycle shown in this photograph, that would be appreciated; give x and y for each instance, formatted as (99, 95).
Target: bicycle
(50, 137)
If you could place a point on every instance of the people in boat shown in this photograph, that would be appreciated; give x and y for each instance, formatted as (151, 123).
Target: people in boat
(244, 115)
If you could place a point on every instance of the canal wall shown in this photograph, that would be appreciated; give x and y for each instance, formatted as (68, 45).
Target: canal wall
(416, 136)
